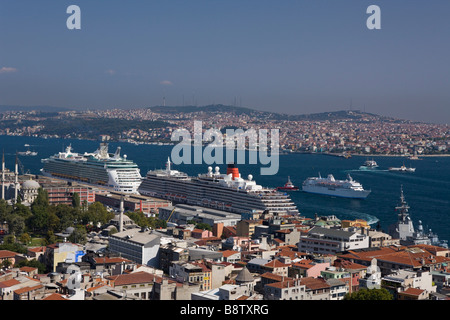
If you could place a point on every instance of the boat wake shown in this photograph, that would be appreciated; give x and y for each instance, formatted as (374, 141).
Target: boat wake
(343, 213)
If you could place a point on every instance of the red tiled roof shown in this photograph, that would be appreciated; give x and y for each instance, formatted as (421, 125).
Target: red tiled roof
(55, 296)
(37, 249)
(27, 269)
(276, 264)
(275, 277)
(413, 292)
(7, 254)
(228, 253)
(404, 256)
(282, 284)
(305, 263)
(95, 288)
(110, 260)
(9, 283)
(132, 278)
(429, 248)
(201, 265)
(314, 283)
(283, 231)
(348, 265)
(27, 289)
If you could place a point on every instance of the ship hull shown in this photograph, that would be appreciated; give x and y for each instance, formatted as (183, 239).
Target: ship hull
(342, 193)
(211, 193)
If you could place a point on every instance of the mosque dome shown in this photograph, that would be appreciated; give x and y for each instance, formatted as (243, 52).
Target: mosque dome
(30, 184)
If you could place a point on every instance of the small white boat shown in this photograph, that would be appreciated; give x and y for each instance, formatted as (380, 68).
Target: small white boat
(402, 169)
(370, 164)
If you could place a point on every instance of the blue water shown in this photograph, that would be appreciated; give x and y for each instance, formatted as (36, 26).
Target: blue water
(427, 191)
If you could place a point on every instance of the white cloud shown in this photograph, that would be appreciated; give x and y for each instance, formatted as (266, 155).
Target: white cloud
(7, 70)
(111, 72)
(166, 82)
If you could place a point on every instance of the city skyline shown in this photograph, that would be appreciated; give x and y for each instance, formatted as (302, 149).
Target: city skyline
(294, 57)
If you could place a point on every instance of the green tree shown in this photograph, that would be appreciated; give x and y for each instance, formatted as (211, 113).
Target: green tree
(369, 294)
(143, 221)
(32, 263)
(22, 210)
(79, 235)
(41, 198)
(76, 200)
(9, 243)
(50, 238)
(38, 222)
(138, 217)
(9, 239)
(5, 210)
(68, 216)
(199, 225)
(40, 209)
(6, 263)
(16, 224)
(52, 221)
(97, 213)
(112, 231)
(25, 238)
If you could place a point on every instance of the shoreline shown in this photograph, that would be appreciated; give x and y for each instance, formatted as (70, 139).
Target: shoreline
(401, 156)
(368, 155)
(340, 155)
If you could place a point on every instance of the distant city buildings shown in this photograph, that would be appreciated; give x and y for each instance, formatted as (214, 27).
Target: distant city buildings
(349, 132)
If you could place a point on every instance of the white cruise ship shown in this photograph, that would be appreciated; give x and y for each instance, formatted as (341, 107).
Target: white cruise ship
(348, 188)
(228, 192)
(98, 168)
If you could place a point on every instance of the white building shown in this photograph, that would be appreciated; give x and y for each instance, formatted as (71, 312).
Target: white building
(402, 280)
(138, 245)
(330, 241)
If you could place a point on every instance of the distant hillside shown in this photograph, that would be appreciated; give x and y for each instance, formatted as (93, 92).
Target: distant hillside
(332, 116)
(5, 108)
(209, 108)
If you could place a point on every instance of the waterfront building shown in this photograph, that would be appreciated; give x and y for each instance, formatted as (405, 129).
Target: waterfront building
(331, 241)
(148, 205)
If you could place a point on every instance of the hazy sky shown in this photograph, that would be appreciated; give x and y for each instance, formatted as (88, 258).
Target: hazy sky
(292, 56)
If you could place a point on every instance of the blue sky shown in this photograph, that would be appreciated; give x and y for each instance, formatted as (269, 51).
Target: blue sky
(287, 56)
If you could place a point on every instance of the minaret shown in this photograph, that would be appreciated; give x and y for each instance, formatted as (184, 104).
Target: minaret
(168, 165)
(121, 214)
(16, 181)
(3, 175)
